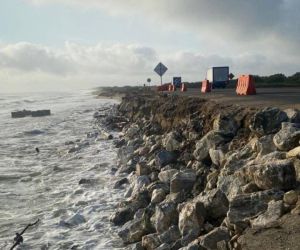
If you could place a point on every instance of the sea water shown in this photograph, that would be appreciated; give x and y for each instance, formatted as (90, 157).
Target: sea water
(45, 185)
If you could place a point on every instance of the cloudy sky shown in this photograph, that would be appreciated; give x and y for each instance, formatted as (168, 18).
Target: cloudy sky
(66, 44)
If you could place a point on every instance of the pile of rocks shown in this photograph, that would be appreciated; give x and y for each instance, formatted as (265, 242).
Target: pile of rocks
(198, 174)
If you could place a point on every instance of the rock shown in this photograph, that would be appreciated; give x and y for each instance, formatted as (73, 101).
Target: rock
(165, 216)
(225, 123)
(132, 132)
(210, 240)
(158, 195)
(278, 174)
(165, 157)
(264, 145)
(212, 179)
(134, 230)
(267, 121)
(191, 218)
(297, 169)
(167, 175)
(288, 137)
(151, 241)
(246, 206)
(158, 185)
(215, 202)
(163, 246)
(211, 140)
(295, 152)
(121, 216)
(270, 217)
(118, 184)
(293, 115)
(176, 197)
(290, 197)
(171, 235)
(183, 180)
(86, 181)
(142, 169)
(217, 156)
(140, 184)
(296, 210)
(171, 142)
(230, 185)
(137, 246)
(250, 188)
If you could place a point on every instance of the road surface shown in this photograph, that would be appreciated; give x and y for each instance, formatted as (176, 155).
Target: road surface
(275, 97)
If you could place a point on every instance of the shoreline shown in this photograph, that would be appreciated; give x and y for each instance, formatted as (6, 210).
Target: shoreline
(201, 175)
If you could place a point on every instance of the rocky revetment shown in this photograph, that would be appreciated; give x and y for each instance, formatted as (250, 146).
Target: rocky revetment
(204, 175)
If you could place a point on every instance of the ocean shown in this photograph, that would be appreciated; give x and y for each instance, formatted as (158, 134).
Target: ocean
(45, 185)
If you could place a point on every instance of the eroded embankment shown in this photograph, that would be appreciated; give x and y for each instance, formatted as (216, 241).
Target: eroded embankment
(199, 175)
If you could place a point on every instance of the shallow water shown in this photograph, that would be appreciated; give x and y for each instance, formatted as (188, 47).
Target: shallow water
(45, 186)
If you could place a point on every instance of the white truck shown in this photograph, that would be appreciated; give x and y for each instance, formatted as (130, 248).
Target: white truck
(218, 76)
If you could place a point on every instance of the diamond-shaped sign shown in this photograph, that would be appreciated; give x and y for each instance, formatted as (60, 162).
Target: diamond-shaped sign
(160, 69)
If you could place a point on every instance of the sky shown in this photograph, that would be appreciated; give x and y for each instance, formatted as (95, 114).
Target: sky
(78, 44)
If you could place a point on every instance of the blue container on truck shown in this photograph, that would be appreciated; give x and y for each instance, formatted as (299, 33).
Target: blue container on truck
(218, 76)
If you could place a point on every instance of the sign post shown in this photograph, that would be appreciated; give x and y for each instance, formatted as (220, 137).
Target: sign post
(160, 69)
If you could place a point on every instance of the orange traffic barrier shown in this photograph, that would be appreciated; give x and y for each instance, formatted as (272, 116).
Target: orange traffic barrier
(172, 88)
(183, 87)
(245, 85)
(163, 87)
(206, 86)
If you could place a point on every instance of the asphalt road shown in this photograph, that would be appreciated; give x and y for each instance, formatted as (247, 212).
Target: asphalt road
(275, 97)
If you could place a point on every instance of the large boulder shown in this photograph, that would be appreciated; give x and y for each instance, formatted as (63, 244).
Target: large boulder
(278, 174)
(217, 156)
(211, 140)
(270, 217)
(230, 185)
(215, 202)
(288, 137)
(268, 121)
(121, 216)
(264, 145)
(191, 218)
(183, 180)
(158, 195)
(226, 123)
(210, 240)
(295, 152)
(171, 141)
(293, 115)
(134, 230)
(151, 241)
(246, 206)
(140, 183)
(170, 236)
(165, 157)
(167, 175)
(165, 216)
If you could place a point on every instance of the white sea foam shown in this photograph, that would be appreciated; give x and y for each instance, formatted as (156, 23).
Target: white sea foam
(46, 185)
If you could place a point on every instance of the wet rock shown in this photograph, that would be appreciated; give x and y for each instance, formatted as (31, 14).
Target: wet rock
(171, 235)
(163, 246)
(140, 184)
(171, 142)
(165, 157)
(278, 174)
(158, 185)
(288, 137)
(142, 169)
(270, 217)
(121, 216)
(118, 184)
(211, 140)
(210, 240)
(137, 246)
(75, 220)
(268, 121)
(119, 142)
(158, 195)
(167, 175)
(250, 188)
(293, 115)
(134, 230)
(165, 216)
(290, 197)
(243, 207)
(151, 241)
(86, 181)
(132, 132)
(215, 202)
(191, 218)
(183, 180)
